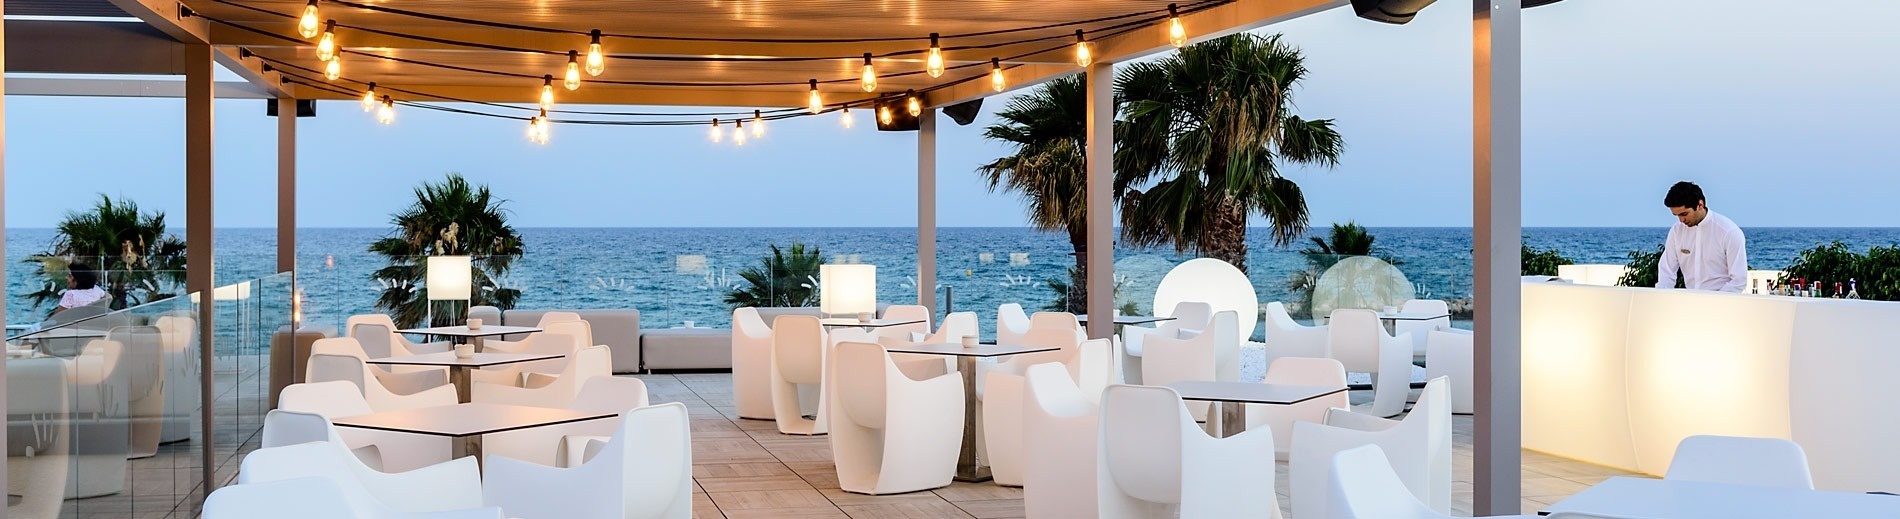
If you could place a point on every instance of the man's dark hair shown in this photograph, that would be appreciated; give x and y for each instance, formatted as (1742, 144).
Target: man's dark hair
(1683, 194)
(83, 276)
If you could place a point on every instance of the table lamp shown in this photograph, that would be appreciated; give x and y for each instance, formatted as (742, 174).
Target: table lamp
(450, 278)
(848, 289)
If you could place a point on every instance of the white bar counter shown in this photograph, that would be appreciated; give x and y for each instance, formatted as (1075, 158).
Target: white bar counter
(1617, 376)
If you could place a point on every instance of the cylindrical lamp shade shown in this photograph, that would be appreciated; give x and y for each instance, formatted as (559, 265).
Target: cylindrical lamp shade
(847, 289)
(450, 278)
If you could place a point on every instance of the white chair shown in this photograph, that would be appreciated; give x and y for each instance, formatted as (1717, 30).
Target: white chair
(1011, 324)
(1000, 389)
(565, 445)
(328, 367)
(1418, 329)
(891, 434)
(1448, 354)
(1059, 429)
(1736, 460)
(451, 485)
(401, 382)
(1421, 444)
(1359, 342)
(180, 338)
(644, 471)
(544, 343)
(1288, 338)
(1363, 486)
(1212, 354)
(568, 324)
(283, 428)
(1188, 315)
(144, 371)
(311, 498)
(98, 381)
(395, 451)
(955, 327)
(902, 333)
(38, 457)
(556, 391)
(918, 366)
(396, 340)
(751, 359)
(798, 358)
(1298, 371)
(1152, 460)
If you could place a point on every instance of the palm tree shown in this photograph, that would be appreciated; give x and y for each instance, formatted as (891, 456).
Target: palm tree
(138, 261)
(780, 279)
(1209, 126)
(449, 218)
(1048, 127)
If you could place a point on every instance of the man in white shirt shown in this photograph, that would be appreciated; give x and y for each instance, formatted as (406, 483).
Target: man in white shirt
(1706, 247)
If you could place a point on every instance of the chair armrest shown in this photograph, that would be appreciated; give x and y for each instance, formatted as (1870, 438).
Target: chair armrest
(1346, 419)
(370, 455)
(451, 485)
(410, 383)
(538, 380)
(576, 450)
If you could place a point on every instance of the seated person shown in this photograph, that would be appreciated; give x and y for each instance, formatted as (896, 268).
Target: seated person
(82, 288)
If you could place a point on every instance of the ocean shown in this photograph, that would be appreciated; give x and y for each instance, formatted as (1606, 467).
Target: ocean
(675, 275)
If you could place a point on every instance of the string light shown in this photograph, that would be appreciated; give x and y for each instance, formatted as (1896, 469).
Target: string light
(758, 124)
(538, 128)
(326, 47)
(884, 115)
(869, 80)
(714, 134)
(333, 69)
(934, 63)
(386, 114)
(596, 62)
(1177, 34)
(996, 75)
(912, 104)
(846, 117)
(307, 24)
(738, 132)
(816, 104)
(369, 97)
(1083, 54)
(547, 92)
(573, 78)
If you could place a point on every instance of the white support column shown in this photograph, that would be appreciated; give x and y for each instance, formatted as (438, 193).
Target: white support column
(1101, 201)
(199, 70)
(1497, 233)
(927, 209)
(286, 184)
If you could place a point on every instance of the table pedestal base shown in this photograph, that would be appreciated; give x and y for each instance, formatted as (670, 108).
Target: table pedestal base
(969, 468)
(467, 446)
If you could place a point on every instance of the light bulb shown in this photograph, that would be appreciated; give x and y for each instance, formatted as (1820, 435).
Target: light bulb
(308, 24)
(1177, 34)
(539, 129)
(884, 115)
(596, 62)
(738, 132)
(386, 114)
(815, 103)
(547, 92)
(758, 124)
(912, 104)
(996, 75)
(333, 69)
(934, 63)
(326, 47)
(1083, 54)
(869, 80)
(573, 79)
(714, 134)
(846, 117)
(369, 97)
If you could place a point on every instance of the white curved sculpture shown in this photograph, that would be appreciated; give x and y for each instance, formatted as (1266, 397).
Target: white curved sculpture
(1152, 460)
(891, 434)
(1360, 282)
(1214, 282)
(751, 358)
(1420, 445)
(1059, 429)
(645, 471)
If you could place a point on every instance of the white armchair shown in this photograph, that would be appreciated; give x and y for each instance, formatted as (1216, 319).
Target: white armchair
(311, 498)
(565, 445)
(1421, 444)
(180, 337)
(568, 324)
(451, 485)
(1152, 460)
(37, 407)
(1363, 485)
(1011, 324)
(401, 382)
(556, 391)
(1213, 354)
(562, 343)
(398, 345)
(1059, 429)
(644, 471)
(1299, 371)
(918, 366)
(1288, 338)
(98, 383)
(144, 370)
(1001, 392)
(901, 334)
(1735, 460)
(1418, 329)
(394, 451)
(798, 358)
(1359, 342)
(751, 361)
(891, 434)
(955, 327)
(1191, 316)
(1448, 354)
(325, 367)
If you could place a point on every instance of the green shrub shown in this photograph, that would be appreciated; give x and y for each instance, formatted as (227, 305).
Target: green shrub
(1878, 271)
(1543, 262)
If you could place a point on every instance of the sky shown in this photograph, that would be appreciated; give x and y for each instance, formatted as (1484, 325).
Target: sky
(1783, 111)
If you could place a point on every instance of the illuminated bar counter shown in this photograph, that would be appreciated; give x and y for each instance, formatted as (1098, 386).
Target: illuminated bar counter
(1617, 376)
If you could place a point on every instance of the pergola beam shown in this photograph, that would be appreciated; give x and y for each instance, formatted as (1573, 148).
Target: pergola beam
(252, 70)
(87, 47)
(91, 87)
(591, 94)
(164, 15)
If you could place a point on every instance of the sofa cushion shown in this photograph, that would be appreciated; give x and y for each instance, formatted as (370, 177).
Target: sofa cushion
(618, 329)
(686, 348)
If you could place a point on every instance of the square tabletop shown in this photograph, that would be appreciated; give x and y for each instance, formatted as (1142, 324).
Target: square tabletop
(840, 322)
(1125, 320)
(1415, 316)
(981, 350)
(467, 419)
(448, 358)
(464, 331)
(1250, 392)
(1642, 497)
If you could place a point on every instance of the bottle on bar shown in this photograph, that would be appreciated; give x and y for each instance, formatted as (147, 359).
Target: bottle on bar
(1816, 290)
(1754, 286)
(1853, 289)
(1837, 291)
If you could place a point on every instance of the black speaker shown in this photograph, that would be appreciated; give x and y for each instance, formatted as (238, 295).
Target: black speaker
(1396, 12)
(965, 112)
(1538, 3)
(893, 116)
(305, 107)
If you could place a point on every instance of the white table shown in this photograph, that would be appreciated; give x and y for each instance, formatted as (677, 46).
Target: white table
(459, 368)
(840, 322)
(1646, 498)
(969, 468)
(1233, 395)
(474, 335)
(467, 422)
(1125, 320)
